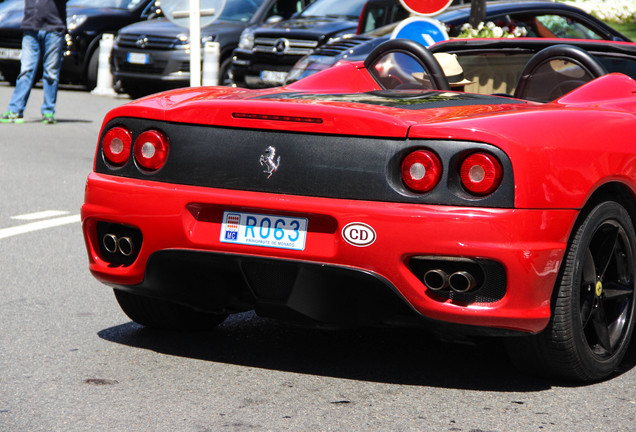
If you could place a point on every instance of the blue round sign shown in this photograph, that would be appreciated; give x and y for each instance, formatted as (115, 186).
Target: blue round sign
(426, 31)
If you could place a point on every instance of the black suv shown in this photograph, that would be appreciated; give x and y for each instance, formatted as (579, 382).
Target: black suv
(86, 21)
(154, 55)
(267, 53)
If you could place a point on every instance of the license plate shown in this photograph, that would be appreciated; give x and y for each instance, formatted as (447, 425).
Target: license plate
(10, 53)
(137, 58)
(273, 77)
(264, 230)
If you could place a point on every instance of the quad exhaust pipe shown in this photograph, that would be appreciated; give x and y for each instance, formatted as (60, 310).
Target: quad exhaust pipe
(436, 279)
(118, 244)
(460, 281)
(123, 245)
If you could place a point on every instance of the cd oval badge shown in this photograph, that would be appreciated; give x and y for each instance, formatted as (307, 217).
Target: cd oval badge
(358, 234)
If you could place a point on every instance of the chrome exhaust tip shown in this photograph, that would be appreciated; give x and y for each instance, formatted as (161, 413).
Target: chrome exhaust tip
(436, 279)
(110, 243)
(126, 246)
(462, 281)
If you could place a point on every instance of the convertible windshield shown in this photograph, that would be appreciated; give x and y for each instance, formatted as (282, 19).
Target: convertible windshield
(334, 8)
(114, 4)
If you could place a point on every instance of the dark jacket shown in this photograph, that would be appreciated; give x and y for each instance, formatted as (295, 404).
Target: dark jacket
(48, 15)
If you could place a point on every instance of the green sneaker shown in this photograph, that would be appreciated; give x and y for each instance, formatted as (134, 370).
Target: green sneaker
(48, 118)
(11, 117)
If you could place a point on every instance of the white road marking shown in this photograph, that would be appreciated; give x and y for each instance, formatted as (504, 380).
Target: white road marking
(39, 225)
(40, 215)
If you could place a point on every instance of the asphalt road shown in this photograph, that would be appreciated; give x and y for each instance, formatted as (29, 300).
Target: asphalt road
(70, 360)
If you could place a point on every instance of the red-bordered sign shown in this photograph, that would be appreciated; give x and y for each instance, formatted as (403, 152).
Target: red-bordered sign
(426, 7)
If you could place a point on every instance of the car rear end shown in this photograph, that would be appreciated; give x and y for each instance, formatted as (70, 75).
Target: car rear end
(258, 211)
(11, 13)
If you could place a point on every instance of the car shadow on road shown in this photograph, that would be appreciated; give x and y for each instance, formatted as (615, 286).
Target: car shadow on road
(391, 355)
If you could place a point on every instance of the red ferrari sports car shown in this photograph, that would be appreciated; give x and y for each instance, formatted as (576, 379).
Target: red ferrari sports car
(378, 193)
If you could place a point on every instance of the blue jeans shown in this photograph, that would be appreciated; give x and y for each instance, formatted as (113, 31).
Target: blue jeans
(36, 44)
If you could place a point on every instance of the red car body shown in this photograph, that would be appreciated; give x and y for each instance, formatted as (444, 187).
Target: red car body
(556, 158)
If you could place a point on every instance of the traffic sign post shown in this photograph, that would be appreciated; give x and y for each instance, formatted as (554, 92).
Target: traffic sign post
(191, 14)
(195, 43)
(425, 7)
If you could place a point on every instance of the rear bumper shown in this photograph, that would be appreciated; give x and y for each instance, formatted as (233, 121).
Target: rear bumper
(527, 244)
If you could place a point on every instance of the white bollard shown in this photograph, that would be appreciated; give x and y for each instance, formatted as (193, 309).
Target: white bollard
(104, 85)
(211, 58)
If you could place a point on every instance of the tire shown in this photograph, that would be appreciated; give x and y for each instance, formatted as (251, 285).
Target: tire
(593, 304)
(225, 78)
(151, 312)
(90, 81)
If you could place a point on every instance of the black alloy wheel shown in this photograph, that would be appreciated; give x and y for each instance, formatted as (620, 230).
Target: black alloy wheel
(607, 289)
(594, 303)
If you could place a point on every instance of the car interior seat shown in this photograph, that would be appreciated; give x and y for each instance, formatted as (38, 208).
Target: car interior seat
(555, 71)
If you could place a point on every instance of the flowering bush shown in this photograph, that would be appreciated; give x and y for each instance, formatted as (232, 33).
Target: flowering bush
(490, 30)
(618, 11)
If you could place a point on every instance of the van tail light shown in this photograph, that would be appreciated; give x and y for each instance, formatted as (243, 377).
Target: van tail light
(481, 173)
(116, 146)
(421, 171)
(151, 150)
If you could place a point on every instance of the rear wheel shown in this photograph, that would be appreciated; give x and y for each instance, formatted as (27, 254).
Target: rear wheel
(90, 80)
(225, 78)
(157, 313)
(593, 310)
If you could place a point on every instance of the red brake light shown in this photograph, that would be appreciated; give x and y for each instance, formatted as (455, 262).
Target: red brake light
(116, 145)
(151, 150)
(481, 173)
(421, 170)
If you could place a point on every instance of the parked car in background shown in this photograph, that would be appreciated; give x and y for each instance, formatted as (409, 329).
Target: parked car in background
(266, 54)
(154, 55)
(87, 21)
(536, 18)
(11, 13)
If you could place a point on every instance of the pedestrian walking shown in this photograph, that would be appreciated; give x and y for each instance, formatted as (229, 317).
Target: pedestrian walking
(44, 26)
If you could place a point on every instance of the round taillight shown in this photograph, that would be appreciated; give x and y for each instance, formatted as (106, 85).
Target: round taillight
(421, 170)
(151, 150)
(481, 173)
(116, 145)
